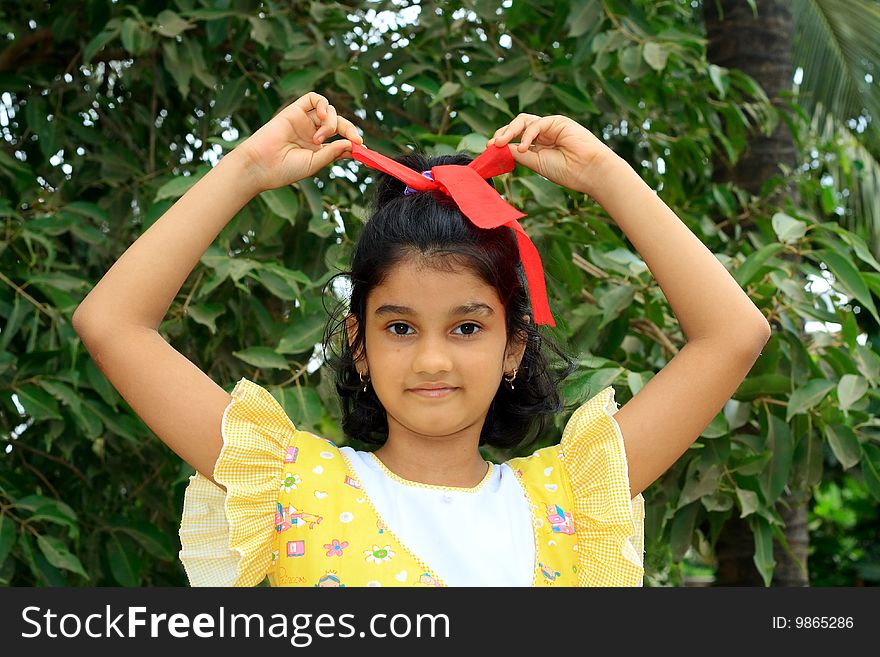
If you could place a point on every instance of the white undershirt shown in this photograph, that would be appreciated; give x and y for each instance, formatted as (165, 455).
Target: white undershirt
(478, 536)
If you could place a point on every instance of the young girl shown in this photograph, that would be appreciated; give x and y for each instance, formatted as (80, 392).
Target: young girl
(439, 354)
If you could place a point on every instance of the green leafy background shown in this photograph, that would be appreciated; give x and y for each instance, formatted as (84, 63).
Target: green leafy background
(113, 110)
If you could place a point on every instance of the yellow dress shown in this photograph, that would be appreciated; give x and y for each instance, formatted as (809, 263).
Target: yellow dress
(294, 509)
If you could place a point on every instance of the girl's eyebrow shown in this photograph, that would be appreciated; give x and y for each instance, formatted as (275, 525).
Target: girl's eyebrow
(473, 308)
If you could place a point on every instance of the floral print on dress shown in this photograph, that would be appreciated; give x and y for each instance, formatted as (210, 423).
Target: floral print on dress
(335, 548)
(379, 555)
(290, 482)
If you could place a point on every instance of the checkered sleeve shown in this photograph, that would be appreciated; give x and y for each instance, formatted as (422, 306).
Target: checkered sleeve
(227, 538)
(609, 523)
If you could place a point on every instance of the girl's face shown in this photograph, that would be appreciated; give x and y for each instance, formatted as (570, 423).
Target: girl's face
(427, 327)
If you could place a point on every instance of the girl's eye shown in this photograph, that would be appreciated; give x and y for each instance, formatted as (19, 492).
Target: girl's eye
(471, 326)
(398, 324)
(468, 329)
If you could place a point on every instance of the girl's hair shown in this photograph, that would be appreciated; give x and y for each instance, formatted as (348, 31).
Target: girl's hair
(430, 225)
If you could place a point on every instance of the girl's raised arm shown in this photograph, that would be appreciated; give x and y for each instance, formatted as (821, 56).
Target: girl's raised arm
(724, 328)
(118, 320)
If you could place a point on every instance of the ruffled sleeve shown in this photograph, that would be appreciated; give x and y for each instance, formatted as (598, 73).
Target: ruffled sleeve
(610, 526)
(227, 538)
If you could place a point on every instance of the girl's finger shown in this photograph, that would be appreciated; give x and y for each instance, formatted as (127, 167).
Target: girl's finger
(513, 129)
(510, 131)
(348, 130)
(531, 132)
(328, 125)
(313, 101)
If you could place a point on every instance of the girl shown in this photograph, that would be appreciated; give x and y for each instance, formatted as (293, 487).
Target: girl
(439, 353)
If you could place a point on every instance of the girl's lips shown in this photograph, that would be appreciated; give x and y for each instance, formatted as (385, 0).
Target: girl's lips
(435, 392)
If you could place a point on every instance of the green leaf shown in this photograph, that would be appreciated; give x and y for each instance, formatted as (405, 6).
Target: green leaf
(844, 444)
(850, 389)
(583, 17)
(763, 558)
(682, 530)
(179, 67)
(849, 279)
(808, 460)
(702, 482)
(124, 563)
(447, 90)
(299, 82)
(748, 501)
(351, 80)
(808, 396)
(322, 226)
(97, 43)
(871, 469)
(135, 39)
(656, 55)
(574, 99)
(169, 24)
(230, 98)
(781, 446)
(615, 301)
(178, 186)
(54, 511)
(477, 122)
(302, 404)
(718, 502)
(8, 534)
(262, 357)
(631, 61)
(788, 229)
(283, 202)
(720, 79)
(472, 143)
(302, 335)
(546, 193)
(58, 555)
(150, 537)
(39, 404)
(492, 100)
(206, 314)
(529, 92)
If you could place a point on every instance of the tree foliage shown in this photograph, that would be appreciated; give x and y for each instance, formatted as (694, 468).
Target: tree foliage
(110, 112)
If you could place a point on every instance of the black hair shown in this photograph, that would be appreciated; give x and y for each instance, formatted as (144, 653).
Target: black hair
(430, 224)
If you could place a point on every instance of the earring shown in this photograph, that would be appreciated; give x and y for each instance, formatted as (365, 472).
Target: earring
(363, 380)
(511, 378)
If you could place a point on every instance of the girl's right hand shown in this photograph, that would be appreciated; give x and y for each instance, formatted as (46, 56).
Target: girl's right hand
(289, 147)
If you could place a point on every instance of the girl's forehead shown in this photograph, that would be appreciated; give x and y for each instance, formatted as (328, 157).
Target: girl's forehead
(427, 290)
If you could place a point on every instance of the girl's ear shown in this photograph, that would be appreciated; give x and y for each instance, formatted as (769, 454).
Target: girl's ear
(351, 328)
(517, 348)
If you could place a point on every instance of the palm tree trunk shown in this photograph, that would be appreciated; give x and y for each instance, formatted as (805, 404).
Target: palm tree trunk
(761, 47)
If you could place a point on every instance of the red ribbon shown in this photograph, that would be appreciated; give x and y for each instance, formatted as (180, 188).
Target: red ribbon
(479, 202)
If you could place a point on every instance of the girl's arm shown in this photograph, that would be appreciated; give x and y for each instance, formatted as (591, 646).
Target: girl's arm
(724, 328)
(119, 318)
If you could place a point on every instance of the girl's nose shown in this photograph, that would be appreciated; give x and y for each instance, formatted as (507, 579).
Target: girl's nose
(432, 356)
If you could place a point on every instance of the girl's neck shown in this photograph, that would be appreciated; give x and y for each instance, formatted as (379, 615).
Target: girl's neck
(434, 465)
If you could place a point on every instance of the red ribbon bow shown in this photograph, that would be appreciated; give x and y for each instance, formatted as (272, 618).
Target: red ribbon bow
(479, 202)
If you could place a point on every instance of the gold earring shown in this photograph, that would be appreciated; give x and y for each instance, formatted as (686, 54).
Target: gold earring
(511, 378)
(363, 380)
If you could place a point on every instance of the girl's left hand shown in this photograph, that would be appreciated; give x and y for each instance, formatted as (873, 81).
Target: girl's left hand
(556, 147)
